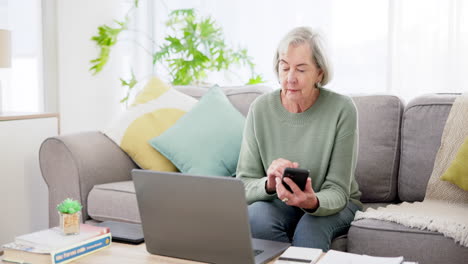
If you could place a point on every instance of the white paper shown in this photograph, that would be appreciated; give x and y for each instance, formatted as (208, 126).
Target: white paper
(333, 257)
(299, 255)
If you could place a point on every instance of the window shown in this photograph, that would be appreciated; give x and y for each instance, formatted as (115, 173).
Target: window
(406, 48)
(22, 89)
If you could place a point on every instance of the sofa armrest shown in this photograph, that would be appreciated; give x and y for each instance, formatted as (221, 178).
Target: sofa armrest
(72, 164)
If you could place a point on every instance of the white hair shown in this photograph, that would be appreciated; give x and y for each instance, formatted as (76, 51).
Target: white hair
(301, 35)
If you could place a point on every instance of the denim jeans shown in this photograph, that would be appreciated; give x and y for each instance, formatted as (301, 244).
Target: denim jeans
(275, 220)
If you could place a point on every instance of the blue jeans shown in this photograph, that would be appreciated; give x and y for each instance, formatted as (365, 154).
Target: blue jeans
(275, 220)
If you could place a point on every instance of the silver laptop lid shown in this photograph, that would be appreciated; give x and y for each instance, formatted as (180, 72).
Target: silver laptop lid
(194, 217)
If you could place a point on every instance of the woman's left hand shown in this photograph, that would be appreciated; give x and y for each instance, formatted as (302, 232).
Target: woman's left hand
(303, 199)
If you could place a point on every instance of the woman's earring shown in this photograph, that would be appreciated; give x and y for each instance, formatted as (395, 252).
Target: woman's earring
(317, 85)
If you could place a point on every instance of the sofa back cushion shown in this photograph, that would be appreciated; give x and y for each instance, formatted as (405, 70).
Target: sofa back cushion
(423, 123)
(240, 96)
(379, 145)
(379, 135)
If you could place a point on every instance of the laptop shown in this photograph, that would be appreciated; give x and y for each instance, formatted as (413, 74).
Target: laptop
(198, 218)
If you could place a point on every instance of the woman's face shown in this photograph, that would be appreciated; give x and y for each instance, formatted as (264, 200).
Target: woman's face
(298, 74)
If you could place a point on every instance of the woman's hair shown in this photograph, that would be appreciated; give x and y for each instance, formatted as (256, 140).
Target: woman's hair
(302, 35)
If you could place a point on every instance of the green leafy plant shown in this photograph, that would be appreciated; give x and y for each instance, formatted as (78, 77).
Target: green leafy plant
(106, 38)
(69, 206)
(194, 47)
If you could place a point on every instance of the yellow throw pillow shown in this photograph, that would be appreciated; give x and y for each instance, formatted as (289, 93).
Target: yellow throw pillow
(156, 108)
(457, 173)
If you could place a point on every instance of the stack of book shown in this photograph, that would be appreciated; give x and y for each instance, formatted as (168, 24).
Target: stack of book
(51, 247)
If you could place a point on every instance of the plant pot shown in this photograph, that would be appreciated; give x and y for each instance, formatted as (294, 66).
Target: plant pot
(70, 223)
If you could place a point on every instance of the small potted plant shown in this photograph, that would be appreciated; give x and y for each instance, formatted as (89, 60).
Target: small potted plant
(70, 212)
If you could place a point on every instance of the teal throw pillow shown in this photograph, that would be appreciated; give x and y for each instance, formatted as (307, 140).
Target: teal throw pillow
(207, 139)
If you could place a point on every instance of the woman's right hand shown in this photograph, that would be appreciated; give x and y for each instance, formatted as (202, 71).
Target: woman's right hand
(275, 170)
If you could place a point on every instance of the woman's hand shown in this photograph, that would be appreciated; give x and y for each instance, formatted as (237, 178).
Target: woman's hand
(303, 199)
(275, 170)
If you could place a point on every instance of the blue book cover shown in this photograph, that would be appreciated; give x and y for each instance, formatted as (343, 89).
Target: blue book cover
(87, 247)
(18, 253)
(52, 239)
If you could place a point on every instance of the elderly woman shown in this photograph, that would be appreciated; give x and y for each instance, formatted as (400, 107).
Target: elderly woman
(301, 125)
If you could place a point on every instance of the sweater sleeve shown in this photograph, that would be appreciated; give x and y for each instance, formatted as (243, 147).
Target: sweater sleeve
(335, 191)
(250, 167)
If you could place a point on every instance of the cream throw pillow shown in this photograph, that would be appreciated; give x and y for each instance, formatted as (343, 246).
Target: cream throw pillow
(156, 108)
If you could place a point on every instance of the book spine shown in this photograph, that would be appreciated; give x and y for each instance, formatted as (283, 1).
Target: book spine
(81, 250)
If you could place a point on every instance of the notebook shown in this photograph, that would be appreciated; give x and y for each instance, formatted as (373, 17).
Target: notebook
(198, 218)
(334, 256)
(300, 255)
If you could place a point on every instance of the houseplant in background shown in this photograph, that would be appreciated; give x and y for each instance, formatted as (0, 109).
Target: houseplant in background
(69, 213)
(193, 47)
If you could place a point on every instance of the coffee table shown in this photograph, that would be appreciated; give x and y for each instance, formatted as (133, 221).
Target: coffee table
(125, 253)
(129, 254)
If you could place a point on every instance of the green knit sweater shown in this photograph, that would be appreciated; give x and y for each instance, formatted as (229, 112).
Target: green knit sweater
(323, 139)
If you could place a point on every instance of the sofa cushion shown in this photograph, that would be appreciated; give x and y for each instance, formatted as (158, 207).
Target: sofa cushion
(206, 140)
(387, 239)
(366, 206)
(340, 243)
(423, 123)
(114, 201)
(240, 96)
(379, 137)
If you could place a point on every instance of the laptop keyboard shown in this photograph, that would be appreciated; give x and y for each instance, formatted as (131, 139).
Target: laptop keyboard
(257, 252)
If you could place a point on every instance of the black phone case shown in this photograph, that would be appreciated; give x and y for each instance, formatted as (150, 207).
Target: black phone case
(299, 176)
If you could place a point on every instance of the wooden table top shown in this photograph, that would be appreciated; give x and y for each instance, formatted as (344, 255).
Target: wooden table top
(129, 254)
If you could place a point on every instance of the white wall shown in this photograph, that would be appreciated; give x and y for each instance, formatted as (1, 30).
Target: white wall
(23, 192)
(86, 102)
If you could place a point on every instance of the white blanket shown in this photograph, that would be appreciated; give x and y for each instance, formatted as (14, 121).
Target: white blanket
(445, 208)
(439, 216)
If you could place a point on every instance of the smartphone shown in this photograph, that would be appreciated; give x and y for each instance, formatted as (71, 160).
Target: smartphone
(299, 176)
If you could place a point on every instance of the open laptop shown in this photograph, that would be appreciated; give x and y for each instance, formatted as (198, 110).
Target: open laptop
(198, 218)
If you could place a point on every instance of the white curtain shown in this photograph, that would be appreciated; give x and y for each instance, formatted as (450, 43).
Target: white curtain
(401, 47)
(429, 47)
